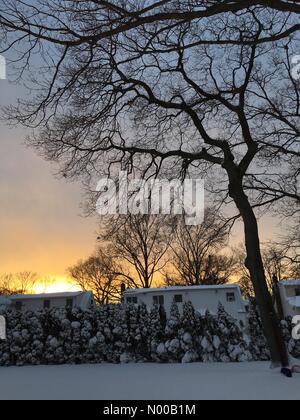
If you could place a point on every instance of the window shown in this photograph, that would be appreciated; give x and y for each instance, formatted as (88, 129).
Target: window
(18, 305)
(47, 304)
(230, 297)
(69, 303)
(297, 291)
(178, 299)
(158, 300)
(132, 300)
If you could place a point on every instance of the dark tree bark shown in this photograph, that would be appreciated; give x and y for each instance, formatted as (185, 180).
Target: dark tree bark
(254, 263)
(277, 296)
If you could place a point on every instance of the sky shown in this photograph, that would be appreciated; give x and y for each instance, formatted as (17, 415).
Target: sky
(42, 228)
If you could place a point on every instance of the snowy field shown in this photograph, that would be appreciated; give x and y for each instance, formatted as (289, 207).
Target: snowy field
(148, 381)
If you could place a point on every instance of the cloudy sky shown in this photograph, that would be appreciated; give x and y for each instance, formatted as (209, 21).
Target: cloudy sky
(41, 224)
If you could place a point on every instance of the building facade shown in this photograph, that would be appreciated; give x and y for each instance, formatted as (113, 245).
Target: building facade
(68, 300)
(203, 298)
(290, 297)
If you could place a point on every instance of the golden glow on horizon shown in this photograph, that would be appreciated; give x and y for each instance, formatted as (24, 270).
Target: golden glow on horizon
(58, 285)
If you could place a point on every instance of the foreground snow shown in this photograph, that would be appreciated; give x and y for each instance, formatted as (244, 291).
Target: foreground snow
(148, 381)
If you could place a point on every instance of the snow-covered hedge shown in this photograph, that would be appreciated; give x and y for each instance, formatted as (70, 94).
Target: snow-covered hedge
(117, 333)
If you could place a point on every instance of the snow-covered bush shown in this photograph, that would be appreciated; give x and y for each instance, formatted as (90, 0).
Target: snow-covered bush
(123, 334)
(232, 346)
(292, 345)
(258, 343)
(173, 348)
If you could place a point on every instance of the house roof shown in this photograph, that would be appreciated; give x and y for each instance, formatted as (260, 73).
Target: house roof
(183, 289)
(290, 282)
(47, 296)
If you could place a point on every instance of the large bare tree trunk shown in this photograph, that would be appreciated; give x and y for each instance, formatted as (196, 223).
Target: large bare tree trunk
(254, 264)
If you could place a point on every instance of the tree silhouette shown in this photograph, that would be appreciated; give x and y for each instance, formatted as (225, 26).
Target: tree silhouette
(173, 87)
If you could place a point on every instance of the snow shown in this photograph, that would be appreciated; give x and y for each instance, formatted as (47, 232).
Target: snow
(47, 295)
(290, 282)
(183, 289)
(241, 381)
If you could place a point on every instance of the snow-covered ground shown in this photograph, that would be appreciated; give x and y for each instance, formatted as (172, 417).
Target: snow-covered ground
(148, 381)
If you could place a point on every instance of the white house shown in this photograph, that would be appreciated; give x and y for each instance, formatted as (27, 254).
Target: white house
(82, 300)
(290, 297)
(4, 303)
(203, 298)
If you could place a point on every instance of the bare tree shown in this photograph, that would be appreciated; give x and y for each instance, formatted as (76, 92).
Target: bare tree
(246, 287)
(141, 242)
(25, 281)
(98, 274)
(288, 244)
(213, 270)
(277, 267)
(7, 285)
(289, 247)
(199, 84)
(19, 283)
(111, 18)
(195, 252)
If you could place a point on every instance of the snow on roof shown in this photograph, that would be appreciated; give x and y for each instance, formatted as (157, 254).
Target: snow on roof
(290, 282)
(48, 295)
(294, 301)
(183, 288)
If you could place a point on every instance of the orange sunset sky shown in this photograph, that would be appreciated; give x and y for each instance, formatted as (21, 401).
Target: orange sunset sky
(41, 223)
